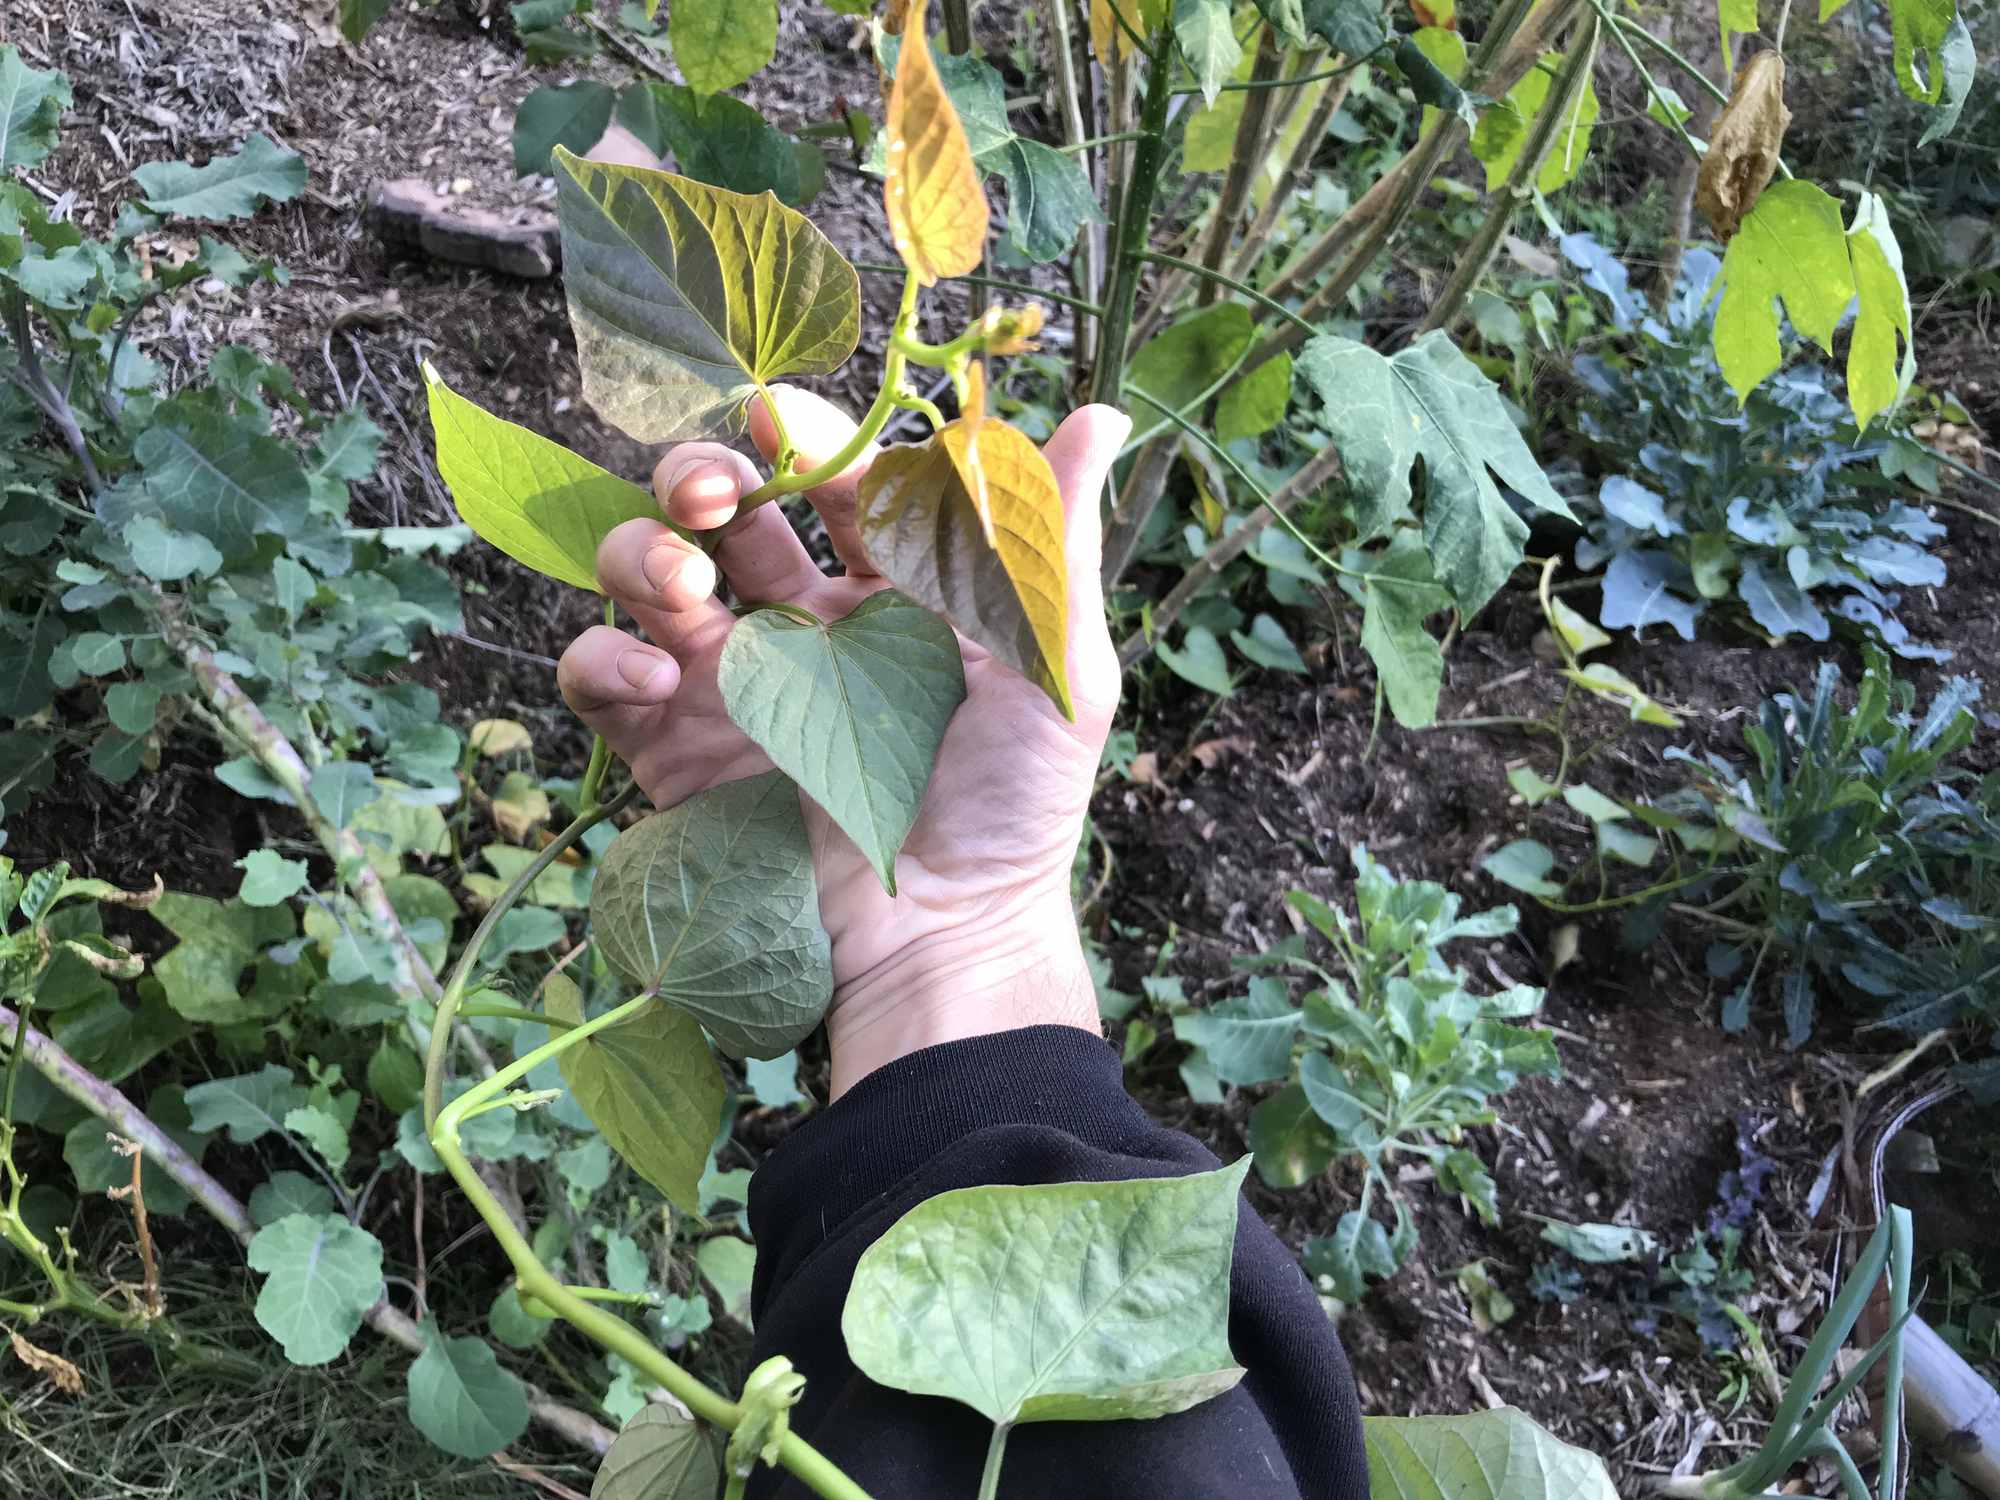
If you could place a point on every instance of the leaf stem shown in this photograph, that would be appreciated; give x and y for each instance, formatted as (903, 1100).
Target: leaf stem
(996, 1449)
(1210, 274)
(998, 284)
(461, 974)
(494, 1012)
(1287, 83)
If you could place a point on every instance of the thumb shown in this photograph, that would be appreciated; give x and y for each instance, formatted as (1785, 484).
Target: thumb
(1080, 454)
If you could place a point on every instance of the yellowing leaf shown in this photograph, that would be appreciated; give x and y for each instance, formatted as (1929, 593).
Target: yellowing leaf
(686, 298)
(936, 207)
(1578, 634)
(500, 737)
(922, 526)
(1743, 148)
(519, 806)
(1144, 17)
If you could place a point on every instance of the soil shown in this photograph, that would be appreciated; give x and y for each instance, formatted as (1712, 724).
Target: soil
(1253, 796)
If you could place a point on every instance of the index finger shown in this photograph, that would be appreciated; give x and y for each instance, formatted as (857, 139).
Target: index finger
(819, 430)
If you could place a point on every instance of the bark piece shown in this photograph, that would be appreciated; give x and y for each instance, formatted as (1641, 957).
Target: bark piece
(410, 214)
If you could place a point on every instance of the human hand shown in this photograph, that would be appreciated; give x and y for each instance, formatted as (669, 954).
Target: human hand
(980, 936)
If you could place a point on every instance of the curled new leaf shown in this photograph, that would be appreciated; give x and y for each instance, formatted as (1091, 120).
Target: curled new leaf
(921, 521)
(1743, 151)
(936, 207)
(686, 298)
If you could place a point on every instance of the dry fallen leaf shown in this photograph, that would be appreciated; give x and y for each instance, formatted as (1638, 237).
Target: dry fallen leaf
(1212, 753)
(1145, 768)
(60, 1372)
(1743, 148)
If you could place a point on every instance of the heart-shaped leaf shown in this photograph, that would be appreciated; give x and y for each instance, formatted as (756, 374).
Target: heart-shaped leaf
(1124, 1285)
(539, 503)
(462, 1400)
(931, 190)
(1485, 1455)
(920, 520)
(650, 1085)
(711, 905)
(660, 1455)
(852, 711)
(686, 298)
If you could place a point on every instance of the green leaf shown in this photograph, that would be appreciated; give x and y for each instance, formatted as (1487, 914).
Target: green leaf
(1430, 402)
(853, 711)
(1210, 140)
(1184, 359)
(1524, 865)
(1247, 1039)
(167, 555)
(720, 43)
(133, 707)
(218, 477)
(571, 115)
(1503, 130)
(1292, 1144)
(1268, 645)
(1919, 29)
(730, 1266)
(512, 1323)
(1351, 28)
(685, 298)
(1398, 593)
(1331, 1096)
(542, 505)
(651, 1086)
(1790, 247)
(658, 1455)
(462, 1400)
(321, 1130)
(98, 1168)
(396, 1076)
(712, 906)
(713, 138)
(1958, 66)
(1198, 660)
(1207, 36)
(1485, 1455)
(1876, 380)
(321, 1275)
(202, 974)
(1057, 1302)
(340, 789)
(358, 17)
(286, 1193)
(249, 1107)
(31, 104)
(1049, 198)
(1254, 404)
(269, 878)
(229, 187)
(1287, 17)
(1357, 1249)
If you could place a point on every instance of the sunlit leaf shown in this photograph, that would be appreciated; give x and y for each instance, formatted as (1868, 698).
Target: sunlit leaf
(921, 524)
(712, 906)
(852, 710)
(1876, 379)
(720, 43)
(685, 297)
(1253, 405)
(1206, 33)
(1791, 248)
(1124, 1286)
(650, 1085)
(1187, 357)
(935, 204)
(1503, 130)
(1484, 1455)
(539, 503)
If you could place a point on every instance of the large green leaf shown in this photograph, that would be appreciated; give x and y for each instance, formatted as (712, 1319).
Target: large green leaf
(1430, 402)
(712, 906)
(462, 1400)
(249, 1107)
(321, 1274)
(219, 477)
(651, 1086)
(720, 43)
(1185, 358)
(1207, 37)
(202, 973)
(31, 104)
(229, 187)
(1048, 197)
(572, 115)
(853, 711)
(539, 503)
(1484, 1455)
(659, 1455)
(713, 138)
(685, 298)
(1248, 1039)
(1876, 379)
(1074, 1301)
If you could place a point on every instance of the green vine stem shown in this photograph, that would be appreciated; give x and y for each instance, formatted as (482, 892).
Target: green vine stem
(536, 1281)
(1135, 218)
(454, 991)
(1079, 304)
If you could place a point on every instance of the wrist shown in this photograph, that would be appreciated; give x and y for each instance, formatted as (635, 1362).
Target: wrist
(1023, 968)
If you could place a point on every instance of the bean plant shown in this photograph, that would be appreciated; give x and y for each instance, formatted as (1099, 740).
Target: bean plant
(1389, 1059)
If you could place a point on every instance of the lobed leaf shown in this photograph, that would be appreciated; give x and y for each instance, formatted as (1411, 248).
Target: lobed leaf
(228, 187)
(686, 298)
(1074, 1301)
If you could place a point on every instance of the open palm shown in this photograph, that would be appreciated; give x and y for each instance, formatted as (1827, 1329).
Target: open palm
(987, 863)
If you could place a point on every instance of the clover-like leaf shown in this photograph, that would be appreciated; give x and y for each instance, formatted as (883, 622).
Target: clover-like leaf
(922, 524)
(931, 190)
(462, 1400)
(1072, 1301)
(658, 1455)
(1484, 1455)
(853, 710)
(542, 505)
(711, 905)
(321, 1275)
(650, 1085)
(686, 298)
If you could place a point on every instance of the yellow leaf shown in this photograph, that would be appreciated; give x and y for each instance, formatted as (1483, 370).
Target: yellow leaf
(1143, 16)
(936, 207)
(1578, 633)
(924, 531)
(492, 737)
(519, 806)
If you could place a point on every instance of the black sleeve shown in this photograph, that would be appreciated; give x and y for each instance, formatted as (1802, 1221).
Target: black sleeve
(1046, 1104)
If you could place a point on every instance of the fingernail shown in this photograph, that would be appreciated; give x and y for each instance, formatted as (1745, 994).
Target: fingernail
(638, 668)
(659, 565)
(697, 575)
(701, 485)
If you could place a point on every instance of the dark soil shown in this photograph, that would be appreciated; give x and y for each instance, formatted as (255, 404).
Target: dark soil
(1647, 1115)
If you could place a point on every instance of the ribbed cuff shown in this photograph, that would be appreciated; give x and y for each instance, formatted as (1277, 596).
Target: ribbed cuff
(901, 1116)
